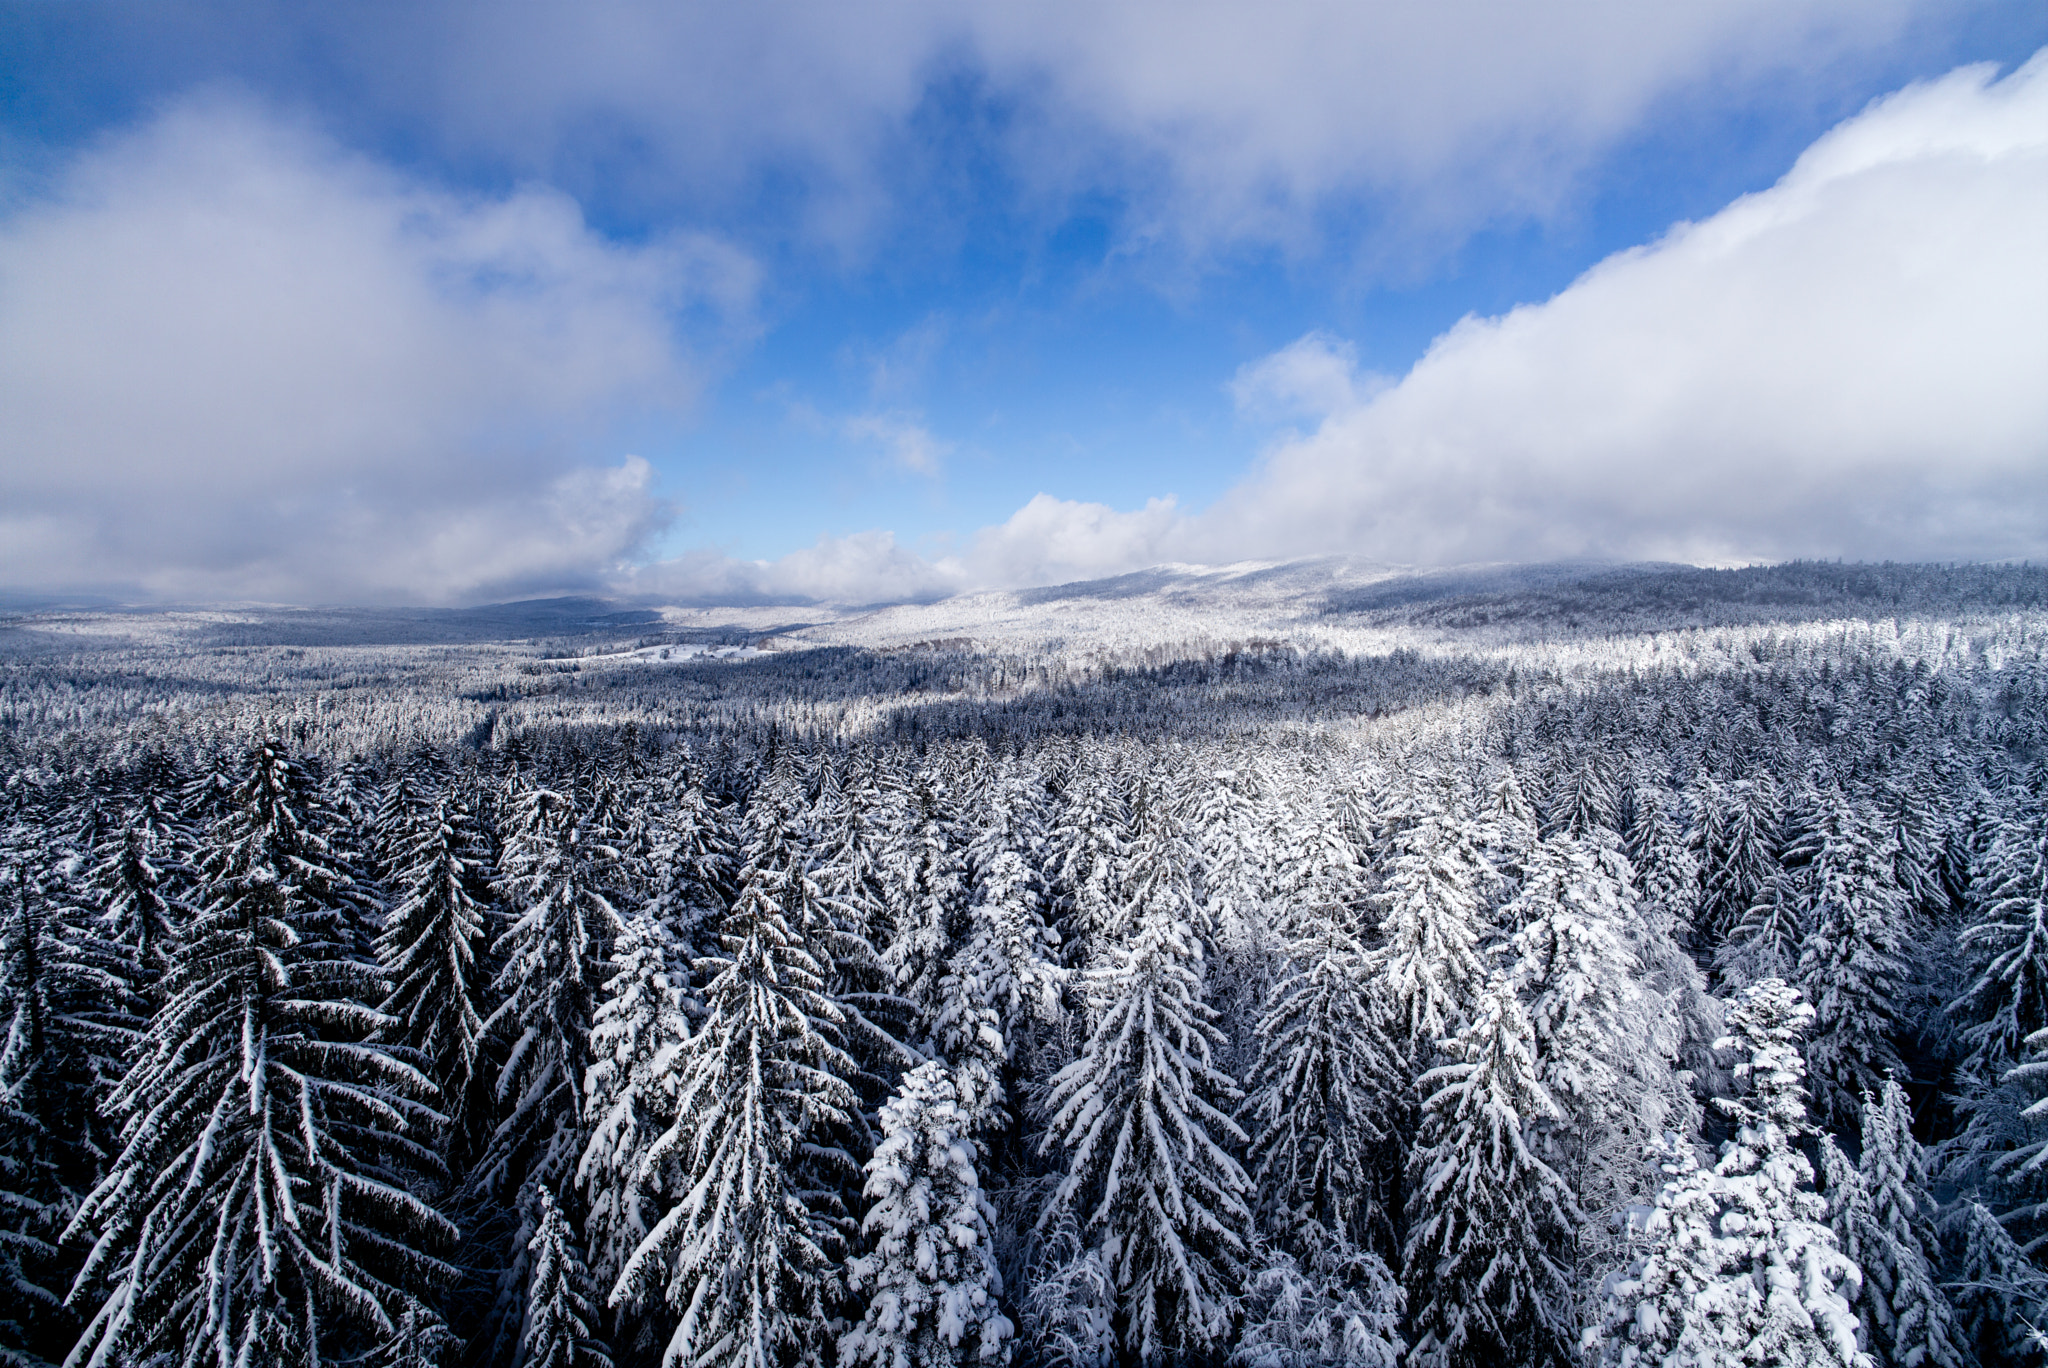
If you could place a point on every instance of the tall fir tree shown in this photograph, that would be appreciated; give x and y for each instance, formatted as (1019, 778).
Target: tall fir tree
(260, 1210)
(1489, 1222)
(743, 1254)
(1740, 1265)
(929, 1279)
(1140, 1114)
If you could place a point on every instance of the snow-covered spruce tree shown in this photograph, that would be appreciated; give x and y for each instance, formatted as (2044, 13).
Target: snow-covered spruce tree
(1320, 1097)
(1070, 1312)
(641, 1023)
(138, 882)
(2000, 1295)
(1766, 940)
(926, 870)
(561, 1321)
(1490, 1223)
(1138, 1113)
(258, 1211)
(1337, 1305)
(1852, 965)
(553, 957)
(741, 1252)
(1736, 834)
(57, 1054)
(1604, 1046)
(2006, 949)
(929, 1278)
(1007, 931)
(1741, 1266)
(1879, 1210)
(1432, 923)
(430, 947)
(1089, 833)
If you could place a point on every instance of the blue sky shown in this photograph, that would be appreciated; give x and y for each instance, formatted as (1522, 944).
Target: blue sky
(446, 301)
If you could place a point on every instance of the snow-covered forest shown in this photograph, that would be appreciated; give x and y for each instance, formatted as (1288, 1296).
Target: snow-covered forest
(1638, 971)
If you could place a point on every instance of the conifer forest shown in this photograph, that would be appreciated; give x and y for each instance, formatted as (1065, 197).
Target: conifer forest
(1601, 968)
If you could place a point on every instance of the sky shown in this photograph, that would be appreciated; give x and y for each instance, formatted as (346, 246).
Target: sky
(445, 302)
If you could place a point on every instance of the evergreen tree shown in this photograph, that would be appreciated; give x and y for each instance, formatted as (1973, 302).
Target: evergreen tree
(138, 882)
(259, 1210)
(561, 1323)
(741, 1252)
(1338, 1306)
(2000, 1296)
(1432, 925)
(640, 1027)
(1852, 966)
(1737, 835)
(1138, 1114)
(1490, 1222)
(430, 948)
(551, 967)
(1741, 1267)
(1879, 1212)
(930, 1279)
(1323, 1093)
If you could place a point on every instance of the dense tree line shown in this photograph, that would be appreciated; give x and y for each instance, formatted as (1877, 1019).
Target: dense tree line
(1645, 1016)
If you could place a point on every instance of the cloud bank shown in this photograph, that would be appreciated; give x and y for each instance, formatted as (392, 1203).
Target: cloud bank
(1849, 363)
(237, 361)
(1211, 122)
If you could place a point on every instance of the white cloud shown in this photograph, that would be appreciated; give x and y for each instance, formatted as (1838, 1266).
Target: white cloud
(909, 444)
(1053, 541)
(1217, 120)
(1849, 363)
(237, 361)
(866, 567)
(1311, 377)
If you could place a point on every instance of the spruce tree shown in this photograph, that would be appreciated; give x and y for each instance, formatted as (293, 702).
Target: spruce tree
(1489, 1222)
(1324, 1094)
(259, 1209)
(1138, 1113)
(1432, 924)
(561, 1323)
(640, 1028)
(1879, 1210)
(1740, 1266)
(929, 1280)
(742, 1253)
(1852, 966)
(431, 947)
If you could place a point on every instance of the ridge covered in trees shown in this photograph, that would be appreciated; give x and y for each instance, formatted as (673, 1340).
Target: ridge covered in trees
(1566, 993)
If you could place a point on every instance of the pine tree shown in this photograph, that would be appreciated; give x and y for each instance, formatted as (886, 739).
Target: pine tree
(1432, 924)
(740, 1254)
(1138, 1114)
(638, 1033)
(1322, 1094)
(1879, 1213)
(930, 1280)
(561, 1323)
(1490, 1222)
(1852, 966)
(430, 948)
(552, 956)
(1741, 1267)
(259, 1209)
(2000, 1296)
